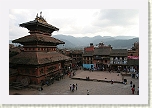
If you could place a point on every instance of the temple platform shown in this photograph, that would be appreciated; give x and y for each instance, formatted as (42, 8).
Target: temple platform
(100, 76)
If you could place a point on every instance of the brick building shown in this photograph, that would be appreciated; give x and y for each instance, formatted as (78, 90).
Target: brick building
(118, 59)
(133, 57)
(104, 57)
(101, 56)
(88, 57)
(39, 59)
(96, 57)
(76, 56)
(134, 51)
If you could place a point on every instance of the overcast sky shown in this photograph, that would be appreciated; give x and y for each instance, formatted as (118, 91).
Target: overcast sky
(79, 22)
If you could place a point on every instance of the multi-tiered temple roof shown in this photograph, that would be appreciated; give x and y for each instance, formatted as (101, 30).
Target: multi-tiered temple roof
(40, 25)
(40, 33)
(38, 39)
(39, 46)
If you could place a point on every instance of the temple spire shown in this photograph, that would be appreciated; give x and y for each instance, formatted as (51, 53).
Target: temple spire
(40, 14)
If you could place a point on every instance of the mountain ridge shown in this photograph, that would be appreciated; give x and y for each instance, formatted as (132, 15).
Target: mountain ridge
(115, 42)
(118, 42)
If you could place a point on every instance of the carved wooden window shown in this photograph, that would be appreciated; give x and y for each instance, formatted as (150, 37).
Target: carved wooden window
(41, 71)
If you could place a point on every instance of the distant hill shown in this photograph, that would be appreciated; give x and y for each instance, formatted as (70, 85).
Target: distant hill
(66, 45)
(124, 37)
(118, 42)
(122, 44)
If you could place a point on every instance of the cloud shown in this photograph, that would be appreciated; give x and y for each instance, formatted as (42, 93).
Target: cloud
(78, 22)
(117, 21)
(116, 17)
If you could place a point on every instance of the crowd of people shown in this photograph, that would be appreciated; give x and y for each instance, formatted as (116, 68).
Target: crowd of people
(73, 87)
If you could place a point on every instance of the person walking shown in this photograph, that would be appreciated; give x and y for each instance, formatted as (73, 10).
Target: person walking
(70, 87)
(76, 86)
(87, 92)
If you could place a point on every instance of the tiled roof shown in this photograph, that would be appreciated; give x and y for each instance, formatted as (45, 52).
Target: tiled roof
(39, 22)
(38, 38)
(11, 46)
(102, 51)
(118, 52)
(76, 52)
(88, 53)
(37, 58)
(16, 49)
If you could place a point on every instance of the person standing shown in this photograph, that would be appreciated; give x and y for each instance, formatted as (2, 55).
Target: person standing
(73, 86)
(41, 88)
(137, 75)
(131, 83)
(73, 74)
(70, 87)
(133, 90)
(138, 91)
(76, 86)
(87, 92)
(111, 81)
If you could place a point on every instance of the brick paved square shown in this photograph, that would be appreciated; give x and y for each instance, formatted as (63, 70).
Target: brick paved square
(99, 75)
(95, 88)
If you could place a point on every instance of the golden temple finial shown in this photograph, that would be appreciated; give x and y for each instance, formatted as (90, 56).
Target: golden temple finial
(41, 14)
(40, 18)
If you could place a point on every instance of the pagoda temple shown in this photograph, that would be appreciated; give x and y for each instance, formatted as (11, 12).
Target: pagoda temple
(39, 59)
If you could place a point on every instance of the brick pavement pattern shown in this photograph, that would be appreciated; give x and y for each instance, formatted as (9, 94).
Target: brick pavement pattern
(99, 75)
(95, 88)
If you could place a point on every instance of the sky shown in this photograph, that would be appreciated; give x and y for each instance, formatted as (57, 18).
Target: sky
(97, 22)
(79, 22)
